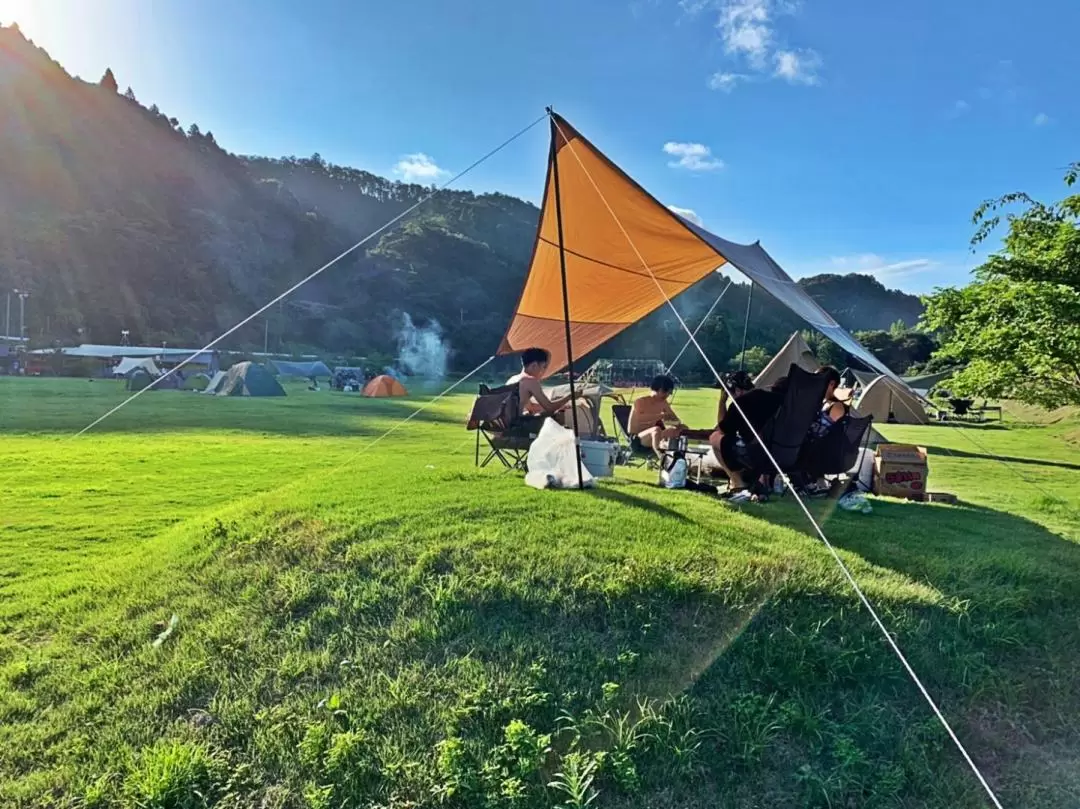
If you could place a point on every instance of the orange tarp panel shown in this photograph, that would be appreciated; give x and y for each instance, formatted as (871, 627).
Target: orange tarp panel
(384, 385)
(608, 285)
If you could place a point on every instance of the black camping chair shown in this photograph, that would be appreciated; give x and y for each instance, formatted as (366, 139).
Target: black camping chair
(632, 453)
(786, 432)
(835, 453)
(496, 415)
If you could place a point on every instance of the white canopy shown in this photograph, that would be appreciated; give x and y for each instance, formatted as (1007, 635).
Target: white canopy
(129, 364)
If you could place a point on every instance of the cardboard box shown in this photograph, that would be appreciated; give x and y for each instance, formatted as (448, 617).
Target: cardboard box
(901, 470)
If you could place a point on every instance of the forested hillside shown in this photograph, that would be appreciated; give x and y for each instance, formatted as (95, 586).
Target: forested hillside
(115, 216)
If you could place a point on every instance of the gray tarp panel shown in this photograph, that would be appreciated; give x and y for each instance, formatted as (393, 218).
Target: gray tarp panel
(757, 265)
(304, 369)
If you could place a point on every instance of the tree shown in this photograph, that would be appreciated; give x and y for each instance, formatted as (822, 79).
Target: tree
(1018, 324)
(755, 361)
(108, 81)
(129, 94)
(193, 131)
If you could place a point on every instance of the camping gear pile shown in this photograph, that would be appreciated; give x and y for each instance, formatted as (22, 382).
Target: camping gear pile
(348, 378)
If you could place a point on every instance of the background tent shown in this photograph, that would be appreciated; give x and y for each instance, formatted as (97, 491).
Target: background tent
(795, 351)
(215, 383)
(197, 382)
(889, 401)
(249, 379)
(138, 379)
(624, 252)
(307, 370)
(853, 377)
(129, 364)
(384, 385)
(922, 384)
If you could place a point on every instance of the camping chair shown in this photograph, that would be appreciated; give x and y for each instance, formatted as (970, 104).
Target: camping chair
(836, 453)
(496, 415)
(786, 432)
(632, 453)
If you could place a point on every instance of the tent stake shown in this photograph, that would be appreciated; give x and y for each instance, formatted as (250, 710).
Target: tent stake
(565, 294)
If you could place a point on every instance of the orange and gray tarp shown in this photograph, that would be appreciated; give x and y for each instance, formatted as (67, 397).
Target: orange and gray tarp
(622, 247)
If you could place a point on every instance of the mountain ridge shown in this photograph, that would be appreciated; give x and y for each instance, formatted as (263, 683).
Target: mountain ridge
(115, 217)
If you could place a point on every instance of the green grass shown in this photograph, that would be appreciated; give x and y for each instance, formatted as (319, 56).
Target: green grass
(388, 627)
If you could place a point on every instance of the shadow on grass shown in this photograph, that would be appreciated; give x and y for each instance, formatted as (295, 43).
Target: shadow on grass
(959, 453)
(616, 495)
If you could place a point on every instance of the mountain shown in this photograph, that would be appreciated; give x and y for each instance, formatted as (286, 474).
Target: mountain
(114, 216)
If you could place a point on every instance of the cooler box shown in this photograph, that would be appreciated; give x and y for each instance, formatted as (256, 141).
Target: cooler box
(599, 457)
(901, 470)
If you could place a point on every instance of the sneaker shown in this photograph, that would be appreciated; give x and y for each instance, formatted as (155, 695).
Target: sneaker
(741, 496)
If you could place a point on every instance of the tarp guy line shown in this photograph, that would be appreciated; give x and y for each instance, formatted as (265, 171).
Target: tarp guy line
(316, 273)
(686, 345)
(989, 452)
(836, 556)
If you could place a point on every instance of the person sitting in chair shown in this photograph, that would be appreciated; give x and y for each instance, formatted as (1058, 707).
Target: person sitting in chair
(736, 431)
(835, 405)
(534, 402)
(651, 418)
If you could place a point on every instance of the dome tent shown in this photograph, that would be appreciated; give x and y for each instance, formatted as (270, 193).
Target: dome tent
(139, 379)
(249, 379)
(383, 386)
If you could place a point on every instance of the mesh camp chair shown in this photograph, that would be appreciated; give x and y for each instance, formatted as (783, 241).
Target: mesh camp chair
(835, 453)
(631, 453)
(496, 416)
(786, 432)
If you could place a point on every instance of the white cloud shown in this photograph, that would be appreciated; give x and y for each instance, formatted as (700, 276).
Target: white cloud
(725, 82)
(746, 29)
(418, 168)
(692, 156)
(688, 214)
(1042, 119)
(797, 67)
(880, 268)
(959, 108)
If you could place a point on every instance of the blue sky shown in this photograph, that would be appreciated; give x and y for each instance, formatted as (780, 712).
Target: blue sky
(847, 135)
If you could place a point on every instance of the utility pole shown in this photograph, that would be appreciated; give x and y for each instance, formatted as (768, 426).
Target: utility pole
(7, 317)
(266, 335)
(23, 295)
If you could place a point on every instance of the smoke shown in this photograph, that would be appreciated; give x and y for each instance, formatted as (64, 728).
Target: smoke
(422, 351)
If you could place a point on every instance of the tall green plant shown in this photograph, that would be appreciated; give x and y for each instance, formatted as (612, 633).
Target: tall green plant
(1018, 324)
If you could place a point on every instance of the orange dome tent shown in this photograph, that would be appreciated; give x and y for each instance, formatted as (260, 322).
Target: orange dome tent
(384, 385)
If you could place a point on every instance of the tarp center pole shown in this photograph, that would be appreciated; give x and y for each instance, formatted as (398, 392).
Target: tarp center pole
(746, 327)
(565, 293)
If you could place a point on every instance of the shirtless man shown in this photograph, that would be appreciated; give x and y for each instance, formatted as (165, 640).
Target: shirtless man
(534, 402)
(651, 418)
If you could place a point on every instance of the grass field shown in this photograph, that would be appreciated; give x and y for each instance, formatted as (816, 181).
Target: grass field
(387, 626)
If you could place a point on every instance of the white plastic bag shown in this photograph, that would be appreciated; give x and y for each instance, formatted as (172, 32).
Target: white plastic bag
(553, 460)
